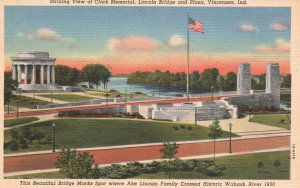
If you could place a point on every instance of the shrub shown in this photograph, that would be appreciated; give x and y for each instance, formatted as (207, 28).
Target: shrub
(131, 170)
(214, 170)
(23, 143)
(182, 126)
(190, 128)
(14, 145)
(176, 128)
(282, 121)
(117, 174)
(154, 164)
(15, 134)
(277, 163)
(6, 145)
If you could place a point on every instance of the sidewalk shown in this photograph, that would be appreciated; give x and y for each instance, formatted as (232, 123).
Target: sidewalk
(149, 161)
(41, 118)
(243, 127)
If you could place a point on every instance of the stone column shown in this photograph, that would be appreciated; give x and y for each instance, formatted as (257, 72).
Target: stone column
(53, 75)
(14, 72)
(19, 73)
(26, 74)
(48, 74)
(42, 74)
(33, 78)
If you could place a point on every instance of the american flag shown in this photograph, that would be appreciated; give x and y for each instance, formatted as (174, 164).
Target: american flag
(195, 25)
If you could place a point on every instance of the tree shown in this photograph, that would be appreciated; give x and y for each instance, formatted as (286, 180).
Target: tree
(9, 86)
(76, 165)
(65, 75)
(96, 73)
(286, 81)
(221, 82)
(215, 131)
(169, 151)
(254, 84)
(230, 82)
(209, 78)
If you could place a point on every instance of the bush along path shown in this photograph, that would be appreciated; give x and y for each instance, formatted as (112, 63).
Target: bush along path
(79, 165)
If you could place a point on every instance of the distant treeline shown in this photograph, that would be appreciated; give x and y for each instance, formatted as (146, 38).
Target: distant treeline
(205, 80)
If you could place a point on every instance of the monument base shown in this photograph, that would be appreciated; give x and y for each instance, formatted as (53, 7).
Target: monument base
(39, 87)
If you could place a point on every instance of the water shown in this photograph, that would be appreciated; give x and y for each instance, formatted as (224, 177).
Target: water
(120, 84)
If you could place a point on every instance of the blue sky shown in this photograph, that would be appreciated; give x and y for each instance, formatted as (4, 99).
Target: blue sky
(86, 32)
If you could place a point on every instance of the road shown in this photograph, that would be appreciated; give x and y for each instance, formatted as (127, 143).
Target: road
(117, 155)
(89, 107)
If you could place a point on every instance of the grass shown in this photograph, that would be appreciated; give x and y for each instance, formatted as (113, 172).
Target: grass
(81, 133)
(237, 167)
(18, 121)
(67, 97)
(26, 102)
(277, 120)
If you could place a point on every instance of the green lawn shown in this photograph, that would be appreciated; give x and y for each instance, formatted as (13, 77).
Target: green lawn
(81, 133)
(18, 121)
(237, 167)
(25, 102)
(67, 97)
(240, 167)
(278, 120)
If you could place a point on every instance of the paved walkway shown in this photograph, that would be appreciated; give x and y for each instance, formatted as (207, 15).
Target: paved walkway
(242, 127)
(41, 118)
(96, 106)
(149, 161)
(151, 152)
(35, 95)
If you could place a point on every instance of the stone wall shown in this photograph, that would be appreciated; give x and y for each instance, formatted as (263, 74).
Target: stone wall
(257, 100)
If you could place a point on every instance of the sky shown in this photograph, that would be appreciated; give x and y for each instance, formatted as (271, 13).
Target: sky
(128, 39)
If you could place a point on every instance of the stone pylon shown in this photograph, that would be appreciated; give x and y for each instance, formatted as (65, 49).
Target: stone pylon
(244, 79)
(273, 83)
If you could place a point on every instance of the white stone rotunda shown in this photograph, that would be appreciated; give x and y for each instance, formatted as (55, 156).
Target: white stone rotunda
(34, 71)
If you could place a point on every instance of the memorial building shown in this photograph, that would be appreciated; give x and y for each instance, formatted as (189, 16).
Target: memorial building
(34, 71)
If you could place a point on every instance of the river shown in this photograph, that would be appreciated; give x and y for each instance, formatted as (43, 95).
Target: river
(120, 84)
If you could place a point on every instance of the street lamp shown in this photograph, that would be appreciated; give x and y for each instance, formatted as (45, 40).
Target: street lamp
(195, 115)
(17, 107)
(212, 93)
(250, 113)
(230, 127)
(53, 141)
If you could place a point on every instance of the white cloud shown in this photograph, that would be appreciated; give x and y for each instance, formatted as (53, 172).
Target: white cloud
(247, 28)
(47, 34)
(280, 46)
(279, 26)
(177, 41)
(133, 43)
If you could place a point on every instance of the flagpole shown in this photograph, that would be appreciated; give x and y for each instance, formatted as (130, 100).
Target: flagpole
(188, 60)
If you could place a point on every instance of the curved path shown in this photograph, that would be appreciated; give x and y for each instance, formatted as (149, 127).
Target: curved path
(88, 107)
(125, 154)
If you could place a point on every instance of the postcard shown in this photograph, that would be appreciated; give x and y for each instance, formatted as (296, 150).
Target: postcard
(150, 93)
